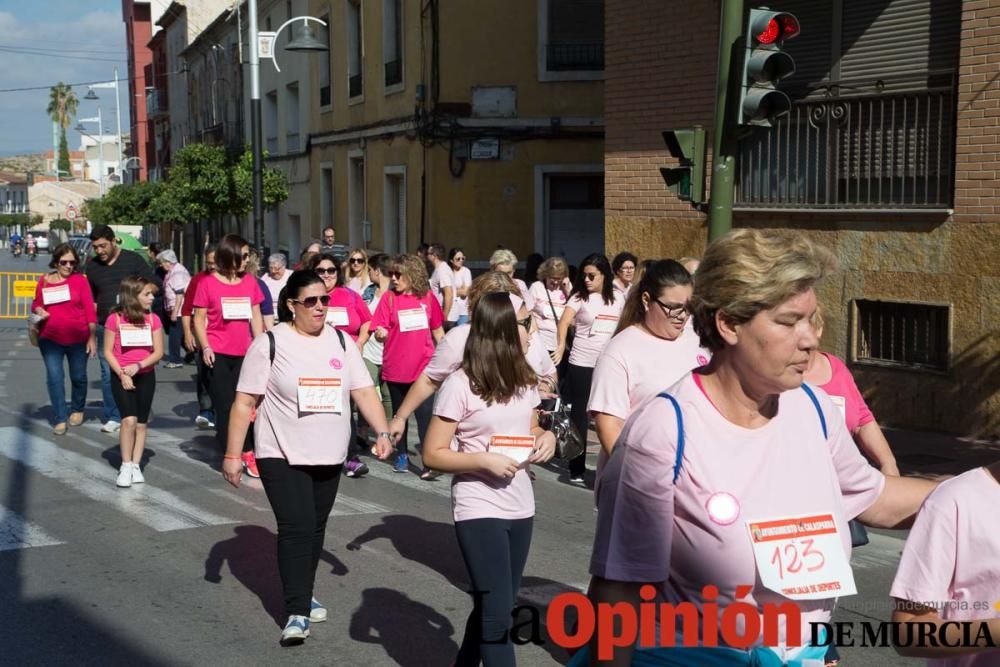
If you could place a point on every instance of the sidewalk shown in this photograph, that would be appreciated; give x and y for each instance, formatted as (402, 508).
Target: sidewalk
(934, 455)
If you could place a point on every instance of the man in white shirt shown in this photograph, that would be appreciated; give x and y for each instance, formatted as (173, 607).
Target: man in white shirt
(442, 280)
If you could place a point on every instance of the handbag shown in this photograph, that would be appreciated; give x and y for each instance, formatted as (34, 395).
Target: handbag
(33, 321)
(569, 444)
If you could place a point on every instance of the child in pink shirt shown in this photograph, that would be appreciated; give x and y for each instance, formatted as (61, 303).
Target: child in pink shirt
(950, 569)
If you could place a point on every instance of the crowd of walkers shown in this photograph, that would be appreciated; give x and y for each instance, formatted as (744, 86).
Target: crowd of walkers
(714, 414)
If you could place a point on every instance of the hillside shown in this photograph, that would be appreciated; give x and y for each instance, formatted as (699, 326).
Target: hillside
(23, 163)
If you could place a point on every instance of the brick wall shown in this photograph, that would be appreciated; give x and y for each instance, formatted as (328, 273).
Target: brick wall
(658, 77)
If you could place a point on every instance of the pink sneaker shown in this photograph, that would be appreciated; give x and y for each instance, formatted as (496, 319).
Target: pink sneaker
(250, 464)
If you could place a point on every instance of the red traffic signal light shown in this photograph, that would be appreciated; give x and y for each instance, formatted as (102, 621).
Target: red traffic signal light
(779, 27)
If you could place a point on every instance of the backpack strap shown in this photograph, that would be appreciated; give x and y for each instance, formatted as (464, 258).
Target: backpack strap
(680, 433)
(815, 401)
(271, 344)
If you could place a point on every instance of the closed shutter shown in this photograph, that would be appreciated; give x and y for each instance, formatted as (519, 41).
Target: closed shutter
(576, 21)
(812, 50)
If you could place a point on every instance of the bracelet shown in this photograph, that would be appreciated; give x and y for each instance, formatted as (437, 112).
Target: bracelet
(385, 434)
(233, 458)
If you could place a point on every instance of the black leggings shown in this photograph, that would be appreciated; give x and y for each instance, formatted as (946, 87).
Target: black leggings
(578, 381)
(222, 380)
(495, 551)
(301, 498)
(423, 414)
(137, 402)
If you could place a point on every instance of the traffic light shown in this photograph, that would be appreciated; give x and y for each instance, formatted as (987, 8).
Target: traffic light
(687, 181)
(764, 65)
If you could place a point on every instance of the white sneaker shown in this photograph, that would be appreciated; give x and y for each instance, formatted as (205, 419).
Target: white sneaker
(111, 427)
(124, 476)
(137, 477)
(296, 631)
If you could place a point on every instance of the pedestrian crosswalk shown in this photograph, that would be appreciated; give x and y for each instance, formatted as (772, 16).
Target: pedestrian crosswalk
(19, 533)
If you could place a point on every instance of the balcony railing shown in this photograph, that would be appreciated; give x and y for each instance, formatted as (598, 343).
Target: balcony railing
(156, 102)
(354, 86)
(878, 147)
(575, 56)
(393, 72)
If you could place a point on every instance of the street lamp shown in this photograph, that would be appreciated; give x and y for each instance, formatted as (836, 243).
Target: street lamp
(265, 41)
(100, 141)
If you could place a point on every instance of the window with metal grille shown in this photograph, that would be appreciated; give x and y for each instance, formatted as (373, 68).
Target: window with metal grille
(575, 35)
(903, 335)
(355, 52)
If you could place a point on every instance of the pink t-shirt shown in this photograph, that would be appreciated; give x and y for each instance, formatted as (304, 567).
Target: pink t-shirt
(650, 529)
(357, 284)
(353, 307)
(480, 495)
(132, 354)
(460, 304)
(281, 431)
(450, 351)
(406, 352)
(951, 560)
(529, 300)
(592, 334)
(69, 320)
(845, 395)
(230, 337)
(441, 278)
(547, 314)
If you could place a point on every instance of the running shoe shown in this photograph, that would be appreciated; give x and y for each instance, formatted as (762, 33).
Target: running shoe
(205, 419)
(124, 476)
(111, 426)
(317, 612)
(173, 364)
(353, 467)
(137, 477)
(429, 475)
(402, 463)
(296, 630)
(576, 479)
(250, 465)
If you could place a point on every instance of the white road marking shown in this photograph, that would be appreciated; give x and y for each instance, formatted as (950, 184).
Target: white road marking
(16, 532)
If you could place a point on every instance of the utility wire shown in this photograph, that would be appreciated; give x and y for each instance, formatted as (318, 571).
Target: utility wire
(57, 55)
(27, 47)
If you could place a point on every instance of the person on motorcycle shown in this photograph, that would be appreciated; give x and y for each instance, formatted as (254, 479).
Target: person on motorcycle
(15, 244)
(32, 250)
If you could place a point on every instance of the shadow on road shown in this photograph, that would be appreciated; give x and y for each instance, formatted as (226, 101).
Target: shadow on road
(411, 632)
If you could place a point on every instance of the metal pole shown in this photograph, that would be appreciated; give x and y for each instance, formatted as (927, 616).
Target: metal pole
(724, 143)
(118, 115)
(100, 147)
(255, 129)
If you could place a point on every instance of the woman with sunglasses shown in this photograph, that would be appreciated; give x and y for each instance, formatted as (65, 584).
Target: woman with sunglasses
(347, 311)
(624, 265)
(226, 319)
(593, 309)
(409, 322)
(356, 277)
(461, 281)
(488, 408)
(67, 326)
(303, 380)
(651, 350)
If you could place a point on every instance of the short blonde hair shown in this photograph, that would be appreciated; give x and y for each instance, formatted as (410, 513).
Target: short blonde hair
(501, 257)
(491, 281)
(552, 267)
(413, 268)
(748, 271)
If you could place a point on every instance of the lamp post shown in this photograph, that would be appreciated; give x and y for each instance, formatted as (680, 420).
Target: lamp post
(91, 95)
(265, 41)
(100, 141)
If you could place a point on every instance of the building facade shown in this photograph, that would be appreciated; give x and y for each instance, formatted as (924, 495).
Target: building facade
(889, 156)
(14, 193)
(140, 18)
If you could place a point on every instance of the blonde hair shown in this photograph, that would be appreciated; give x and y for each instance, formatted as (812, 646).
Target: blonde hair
(817, 321)
(501, 257)
(748, 271)
(362, 273)
(412, 267)
(492, 281)
(553, 266)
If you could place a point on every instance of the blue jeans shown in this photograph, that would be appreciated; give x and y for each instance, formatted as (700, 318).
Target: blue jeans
(110, 409)
(174, 335)
(55, 379)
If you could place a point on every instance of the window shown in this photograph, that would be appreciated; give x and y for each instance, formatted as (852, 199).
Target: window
(355, 53)
(292, 144)
(392, 41)
(576, 191)
(326, 196)
(270, 113)
(356, 205)
(873, 110)
(394, 210)
(325, 93)
(572, 38)
(903, 335)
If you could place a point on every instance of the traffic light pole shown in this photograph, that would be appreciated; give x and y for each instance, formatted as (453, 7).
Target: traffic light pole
(724, 141)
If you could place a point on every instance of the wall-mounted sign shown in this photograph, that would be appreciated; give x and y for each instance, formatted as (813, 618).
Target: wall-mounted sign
(484, 149)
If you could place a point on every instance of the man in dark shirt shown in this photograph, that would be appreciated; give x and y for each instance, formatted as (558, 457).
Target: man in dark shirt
(330, 245)
(105, 273)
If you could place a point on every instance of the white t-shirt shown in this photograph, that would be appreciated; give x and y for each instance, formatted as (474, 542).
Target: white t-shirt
(373, 348)
(441, 278)
(448, 355)
(547, 314)
(275, 286)
(480, 495)
(595, 324)
(460, 304)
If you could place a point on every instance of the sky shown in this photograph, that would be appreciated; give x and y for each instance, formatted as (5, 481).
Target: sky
(70, 41)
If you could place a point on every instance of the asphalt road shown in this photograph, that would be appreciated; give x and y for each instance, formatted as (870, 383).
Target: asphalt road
(182, 570)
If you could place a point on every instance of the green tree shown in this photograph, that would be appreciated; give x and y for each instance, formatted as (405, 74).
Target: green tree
(62, 109)
(275, 185)
(60, 224)
(200, 183)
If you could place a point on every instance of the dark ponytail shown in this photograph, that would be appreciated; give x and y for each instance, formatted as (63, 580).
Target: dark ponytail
(298, 281)
(658, 276)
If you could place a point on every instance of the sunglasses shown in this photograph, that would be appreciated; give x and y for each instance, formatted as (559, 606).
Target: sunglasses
(246, 256)
(357, 260)
(311, 301)
(674, 311)
(526, 323)
(590, 276)
(67, 262)
(395, 275)
(459, 258)
(327, 272)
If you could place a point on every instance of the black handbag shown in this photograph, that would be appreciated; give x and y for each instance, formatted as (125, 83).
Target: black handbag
(859, 534)
(569, 444)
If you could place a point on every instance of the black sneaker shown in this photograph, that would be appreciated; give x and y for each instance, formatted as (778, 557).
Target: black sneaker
(355, 468)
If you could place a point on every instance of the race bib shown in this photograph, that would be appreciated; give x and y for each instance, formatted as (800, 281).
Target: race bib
(413, 319)
(133, 336)
(517, 447)
(236, 308)
(802, 558)
(53, 295)
(337, 317)
(320, 395)
(841, 403)
(604, 325)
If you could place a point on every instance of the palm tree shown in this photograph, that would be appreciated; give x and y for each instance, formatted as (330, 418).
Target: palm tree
(62, 110)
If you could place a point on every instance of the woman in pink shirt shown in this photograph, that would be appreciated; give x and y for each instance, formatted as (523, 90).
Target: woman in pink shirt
(67, 322)
(302, 376)
(737, 483)
(624, 265)
(488, 408)
(593, 310)
(347, 310)
(226, 319)
(409, 322)
(949, 574)
(132, 347)
(550, 294)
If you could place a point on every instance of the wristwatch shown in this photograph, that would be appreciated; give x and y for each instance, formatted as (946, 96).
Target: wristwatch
(385, 434)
